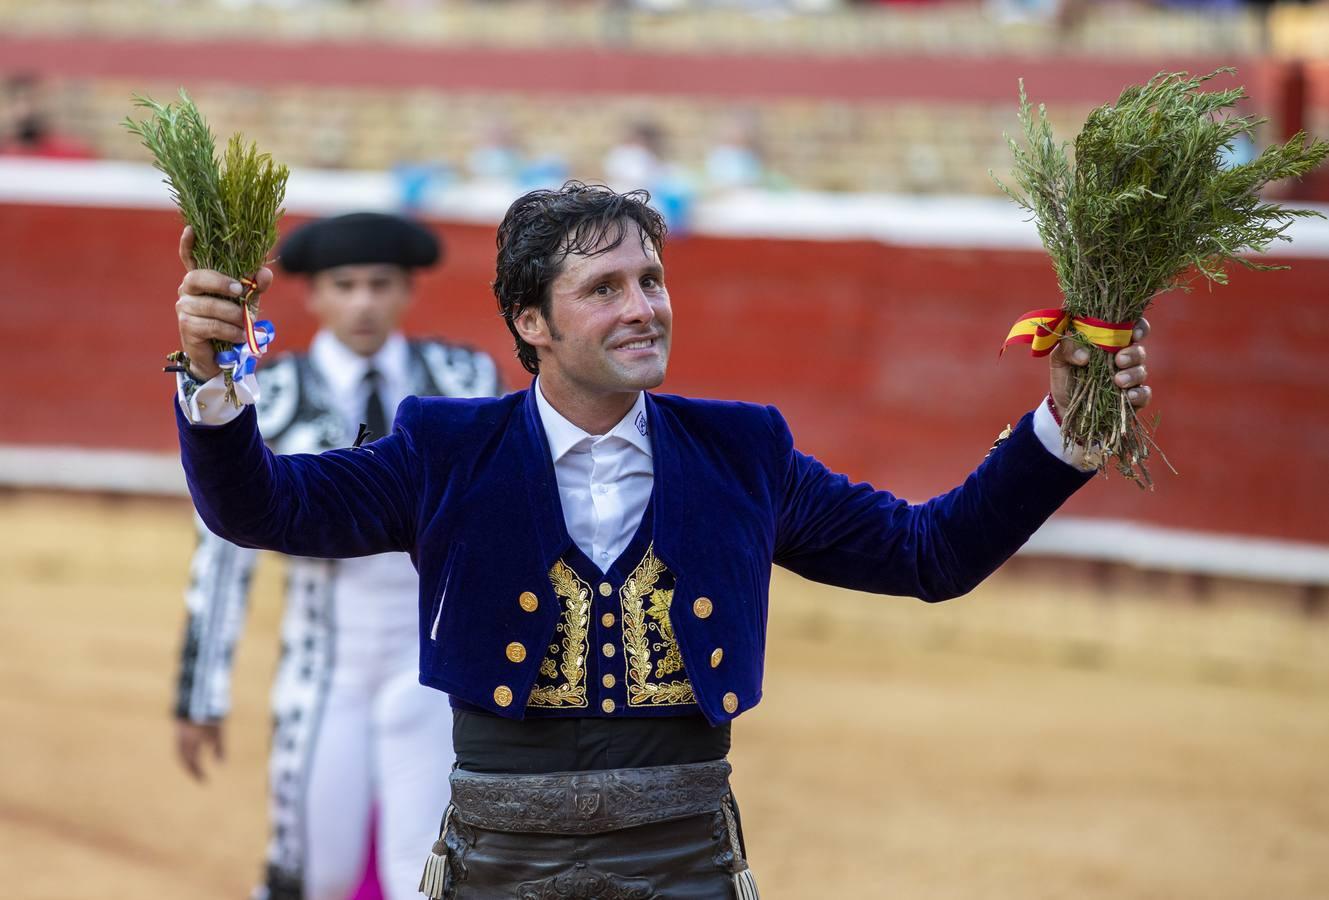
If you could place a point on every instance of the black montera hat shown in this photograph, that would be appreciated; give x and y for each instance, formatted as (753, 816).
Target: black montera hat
(356, 238)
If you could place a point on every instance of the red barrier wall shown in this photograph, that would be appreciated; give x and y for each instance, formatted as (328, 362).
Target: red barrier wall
(883, 358)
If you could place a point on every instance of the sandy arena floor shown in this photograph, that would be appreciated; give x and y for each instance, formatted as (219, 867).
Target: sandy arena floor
(1045, 738)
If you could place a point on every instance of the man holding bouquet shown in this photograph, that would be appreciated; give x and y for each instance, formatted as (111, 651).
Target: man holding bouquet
(594, 558)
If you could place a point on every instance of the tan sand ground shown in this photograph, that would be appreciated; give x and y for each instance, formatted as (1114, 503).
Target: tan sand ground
(1050, 737)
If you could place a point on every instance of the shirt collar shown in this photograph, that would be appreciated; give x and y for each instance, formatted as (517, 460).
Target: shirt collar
(344, 369)
(563, 436)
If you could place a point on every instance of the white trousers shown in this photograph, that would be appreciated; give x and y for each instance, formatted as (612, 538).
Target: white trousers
(357, 733)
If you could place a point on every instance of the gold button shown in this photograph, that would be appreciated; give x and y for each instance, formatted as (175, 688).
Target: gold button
(529, 601)
(730, 702)
(608, 681)
(608, 650)
(716, 655)
(701, 607)
(605, 589)
(607, 620)
(516, 652)
(503, 695)
(607, 705)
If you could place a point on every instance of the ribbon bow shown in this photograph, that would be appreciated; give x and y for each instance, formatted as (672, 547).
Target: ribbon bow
(1043, 328)
(242, 361)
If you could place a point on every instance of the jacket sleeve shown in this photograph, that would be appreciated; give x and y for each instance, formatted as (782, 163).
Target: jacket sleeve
(852, 535)
(343, 503)
(217, 601)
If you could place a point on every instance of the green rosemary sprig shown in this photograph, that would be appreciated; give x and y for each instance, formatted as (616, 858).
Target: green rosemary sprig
(1147, 204)
(233, 204)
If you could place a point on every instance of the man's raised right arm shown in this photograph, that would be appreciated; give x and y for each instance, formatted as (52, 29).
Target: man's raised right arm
(343, 503)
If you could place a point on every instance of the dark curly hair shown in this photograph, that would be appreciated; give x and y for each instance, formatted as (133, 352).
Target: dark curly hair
(543, 227)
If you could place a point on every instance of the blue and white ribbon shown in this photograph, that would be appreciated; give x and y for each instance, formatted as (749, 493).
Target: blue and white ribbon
(242, 361)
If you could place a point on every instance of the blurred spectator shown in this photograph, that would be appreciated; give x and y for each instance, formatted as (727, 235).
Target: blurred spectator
(499, 156)
(737, 161)
(637, 161)
(1200, 4)
(640, 160)
(1066, 15)
(1017, 10)
(418, 182)
(27, 129)
(546, 171)
(501, 159)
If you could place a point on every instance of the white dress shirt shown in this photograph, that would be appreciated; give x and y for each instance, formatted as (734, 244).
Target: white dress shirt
(604, 481)
(344, 370)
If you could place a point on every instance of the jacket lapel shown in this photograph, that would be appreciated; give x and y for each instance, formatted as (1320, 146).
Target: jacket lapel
(536, 471)
(670, 495)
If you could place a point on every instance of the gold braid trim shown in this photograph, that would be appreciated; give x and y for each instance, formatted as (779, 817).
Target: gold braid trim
(672, 661)
(636, 639)
(576, 596)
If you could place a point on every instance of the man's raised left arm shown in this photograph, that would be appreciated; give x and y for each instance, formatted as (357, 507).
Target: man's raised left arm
(852, 535)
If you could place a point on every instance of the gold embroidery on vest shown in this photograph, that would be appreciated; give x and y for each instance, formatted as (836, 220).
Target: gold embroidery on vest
(672, 661)
(576, 597)
(637, 644)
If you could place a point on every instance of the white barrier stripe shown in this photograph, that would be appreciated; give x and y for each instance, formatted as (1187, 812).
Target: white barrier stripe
(898, 220)
(1173, 549)
(1113, 540)
(82, 469)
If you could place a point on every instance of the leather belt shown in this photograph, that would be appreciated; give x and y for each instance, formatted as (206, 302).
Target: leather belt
(588, 802)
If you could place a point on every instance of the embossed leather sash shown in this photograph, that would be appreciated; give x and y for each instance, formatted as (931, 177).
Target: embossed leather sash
(588, 802)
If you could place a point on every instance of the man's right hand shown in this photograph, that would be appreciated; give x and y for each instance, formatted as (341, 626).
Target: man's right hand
(192, 739)
(201, 313)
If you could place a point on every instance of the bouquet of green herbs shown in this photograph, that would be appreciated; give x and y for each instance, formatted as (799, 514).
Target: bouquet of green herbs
(232, 203)
(1146, 204)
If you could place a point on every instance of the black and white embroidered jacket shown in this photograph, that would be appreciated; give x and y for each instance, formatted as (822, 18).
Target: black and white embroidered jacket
(297, 415)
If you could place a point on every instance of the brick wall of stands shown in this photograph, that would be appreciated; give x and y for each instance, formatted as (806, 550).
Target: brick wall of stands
(894, 122)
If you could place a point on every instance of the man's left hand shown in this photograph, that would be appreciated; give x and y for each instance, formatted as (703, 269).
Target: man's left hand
(1131, 373)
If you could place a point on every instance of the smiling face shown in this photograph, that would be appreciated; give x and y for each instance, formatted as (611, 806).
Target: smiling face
(606, 335)
(361, 304)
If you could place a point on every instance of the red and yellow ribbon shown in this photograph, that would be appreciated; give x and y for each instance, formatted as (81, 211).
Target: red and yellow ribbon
(1043, 328)
(250, 337)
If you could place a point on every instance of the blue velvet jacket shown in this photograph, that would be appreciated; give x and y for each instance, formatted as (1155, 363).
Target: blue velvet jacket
(467, 487)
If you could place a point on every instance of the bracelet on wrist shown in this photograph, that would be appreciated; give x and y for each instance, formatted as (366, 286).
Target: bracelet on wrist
(1052, 408)
(179, 362)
